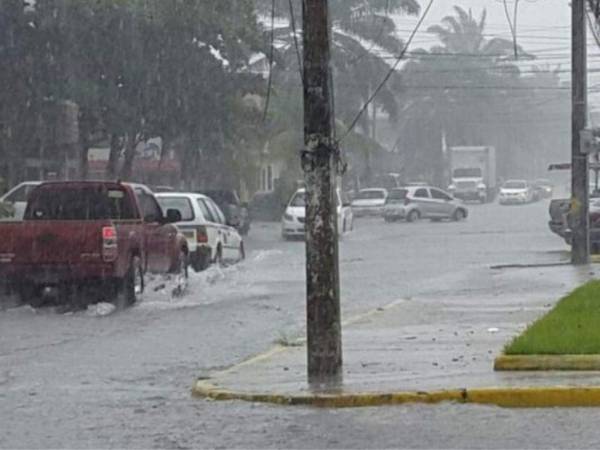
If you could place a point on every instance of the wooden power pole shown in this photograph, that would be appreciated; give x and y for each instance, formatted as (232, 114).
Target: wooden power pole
(579, 160)
(324, 340)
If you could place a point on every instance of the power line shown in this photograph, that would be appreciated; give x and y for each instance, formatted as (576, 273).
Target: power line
(592, 28)
(390, 72)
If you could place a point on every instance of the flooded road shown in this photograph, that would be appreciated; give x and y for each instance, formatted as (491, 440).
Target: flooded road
(85, 379)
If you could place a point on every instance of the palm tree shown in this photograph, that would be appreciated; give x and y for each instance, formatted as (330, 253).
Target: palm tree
(450, 91)
(361, 31)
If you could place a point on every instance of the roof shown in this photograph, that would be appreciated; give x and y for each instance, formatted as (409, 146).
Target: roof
(180, 194)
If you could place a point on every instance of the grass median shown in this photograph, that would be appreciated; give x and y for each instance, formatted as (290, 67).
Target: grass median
(571, 328)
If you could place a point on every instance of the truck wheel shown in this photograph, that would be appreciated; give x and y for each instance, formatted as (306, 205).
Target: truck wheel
(131, 287)
(29, 294)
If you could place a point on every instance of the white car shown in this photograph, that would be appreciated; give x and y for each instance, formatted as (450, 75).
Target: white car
(515, 192)
(15, 200)
(369, 202)
(210, 239)
(292, 222)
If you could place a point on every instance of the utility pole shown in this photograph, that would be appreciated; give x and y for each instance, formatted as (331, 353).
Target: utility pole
(324, 334)
(580, 253)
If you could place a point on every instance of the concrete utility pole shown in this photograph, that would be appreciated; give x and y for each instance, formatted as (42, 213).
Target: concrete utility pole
(324, 334)
(579, 161)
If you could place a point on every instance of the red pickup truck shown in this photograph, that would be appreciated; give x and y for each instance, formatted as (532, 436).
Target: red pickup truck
(81, 234)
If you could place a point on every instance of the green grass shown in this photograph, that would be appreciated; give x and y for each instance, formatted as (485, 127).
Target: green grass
(571, 328)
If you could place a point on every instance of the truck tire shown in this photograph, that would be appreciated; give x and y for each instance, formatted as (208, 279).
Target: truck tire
(131, 287)
(29, 294)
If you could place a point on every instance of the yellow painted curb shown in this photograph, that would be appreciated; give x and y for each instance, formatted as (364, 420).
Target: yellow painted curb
(547, 362)
(340, 400)
(509, 397)
(536, 397)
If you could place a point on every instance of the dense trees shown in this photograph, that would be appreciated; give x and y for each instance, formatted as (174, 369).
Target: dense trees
(136, 69)
(363, 33)
(185, 70)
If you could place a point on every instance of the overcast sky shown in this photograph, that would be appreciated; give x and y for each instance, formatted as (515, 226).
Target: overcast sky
(543, 26)
(544, 29)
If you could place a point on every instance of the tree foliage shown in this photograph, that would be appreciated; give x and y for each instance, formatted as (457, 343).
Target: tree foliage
(137, 69)
(362, 38)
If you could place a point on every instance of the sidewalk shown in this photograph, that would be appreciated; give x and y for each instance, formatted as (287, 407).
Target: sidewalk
(420, 345)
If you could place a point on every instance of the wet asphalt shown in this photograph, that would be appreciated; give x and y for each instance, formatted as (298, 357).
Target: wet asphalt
(85, 380)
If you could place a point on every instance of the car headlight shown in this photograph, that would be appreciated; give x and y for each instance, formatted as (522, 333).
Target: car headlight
(288, 217)
(452, 187)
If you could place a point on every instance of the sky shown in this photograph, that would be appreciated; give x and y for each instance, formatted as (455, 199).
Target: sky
(543, 24)
(544, 29)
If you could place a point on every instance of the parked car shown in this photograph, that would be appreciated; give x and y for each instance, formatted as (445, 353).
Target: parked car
(515, 192)
(77, 234)
(235, 211)
(594, 226)
(414, 202)
(293, 220)
(12, 204)
(542, 188)
(559, 210)
(369, 202)
(209, 237)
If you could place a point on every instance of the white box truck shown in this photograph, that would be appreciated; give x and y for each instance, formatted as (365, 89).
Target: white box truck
(473, 173)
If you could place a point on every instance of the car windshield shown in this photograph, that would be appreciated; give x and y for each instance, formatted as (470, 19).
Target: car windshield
(470, 172)
(397, 196)
(88, 203)
(181, 204)
(370, 195)
(298, 200)
(515, 185)
(542, 182)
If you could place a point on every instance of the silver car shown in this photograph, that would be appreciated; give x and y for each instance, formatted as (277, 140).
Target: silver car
(422, 202)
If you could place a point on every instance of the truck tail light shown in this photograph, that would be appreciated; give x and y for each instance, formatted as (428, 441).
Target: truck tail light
(201, 235)
(109, 244)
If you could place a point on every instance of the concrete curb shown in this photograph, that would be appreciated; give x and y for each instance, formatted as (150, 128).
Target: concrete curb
(513, 397)
(547, 362)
